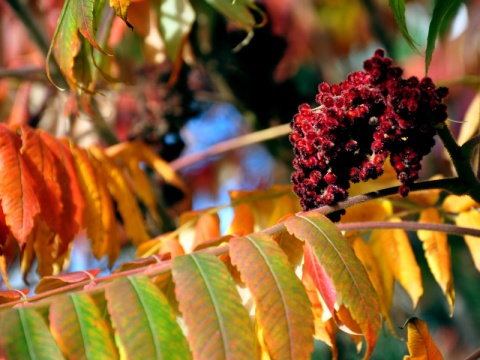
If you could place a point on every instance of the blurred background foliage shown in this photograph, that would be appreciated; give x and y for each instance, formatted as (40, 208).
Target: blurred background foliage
(228, 82)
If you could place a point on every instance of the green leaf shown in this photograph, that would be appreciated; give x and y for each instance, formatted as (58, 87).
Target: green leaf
(144, 322)
(218, 325)
(349, 277)
(79, 328)
(443, 11)
(236, 11)
(175, 22)
(283, 308)
(121, 9)
(398, 9)
(83, 13)
(25, 335)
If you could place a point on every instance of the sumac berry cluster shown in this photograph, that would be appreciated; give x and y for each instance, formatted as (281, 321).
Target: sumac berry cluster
(374, 115)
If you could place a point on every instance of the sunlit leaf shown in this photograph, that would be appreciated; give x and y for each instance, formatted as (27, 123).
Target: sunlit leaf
(437, 252)
(456, 204)
(243, 221)
(398, 9)
(442, 10)
(175, 22)
(365, 254)
(54, 282)
(425, 198)
(368, 211)
(25, 335)
(332, 250)
(207, 227)
(471, 121)
(283, 308)
(79, 328)
(126, 202)
(148, 330)
(121, 9)
(398, 254)
(471, 219)
(218, 325)
(420, 343)
(17, 187)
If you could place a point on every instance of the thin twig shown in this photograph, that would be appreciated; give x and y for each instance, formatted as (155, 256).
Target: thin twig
(474, 356)
(410, 226)
(232, 144)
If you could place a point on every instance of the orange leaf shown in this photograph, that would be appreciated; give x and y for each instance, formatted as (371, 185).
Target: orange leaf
(44, 167)
(398, 253)
(17, 187)
(243, 221)
(3, 229)
(207, 227)
(376, 210)
(99, 213)
(471, 219)
(420, 343)
(54, 282)
(43, 240)
(127, 205)
(437, 252)
(290, 246)
(73, 201)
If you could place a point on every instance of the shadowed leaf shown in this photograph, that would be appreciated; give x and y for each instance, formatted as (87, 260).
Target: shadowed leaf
(420, 343)
(398, 9)
(337, 258)
(17, 187)
(283, 309)
(27, 336)
(80, 329)
(237, 11)
(437, 252)
(53, 282)
(148, 330)
(218, 325)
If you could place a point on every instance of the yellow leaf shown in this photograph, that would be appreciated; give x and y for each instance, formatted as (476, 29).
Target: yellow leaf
(437, 253)
(376, 210)
(456, 204)
(399, 255)
(471, 219)
(420, 343)
(4, 272)
(126, 201)
(243, 221)
(425, 198)
(471, 121)
(365, 254)
(99, 214)
(386, 273)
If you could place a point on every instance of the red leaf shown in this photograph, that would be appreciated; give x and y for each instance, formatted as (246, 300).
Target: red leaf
(53, 282)
(17, 187)
(12, 295)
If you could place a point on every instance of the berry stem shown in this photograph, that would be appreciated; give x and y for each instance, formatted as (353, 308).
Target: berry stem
(469, 184)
